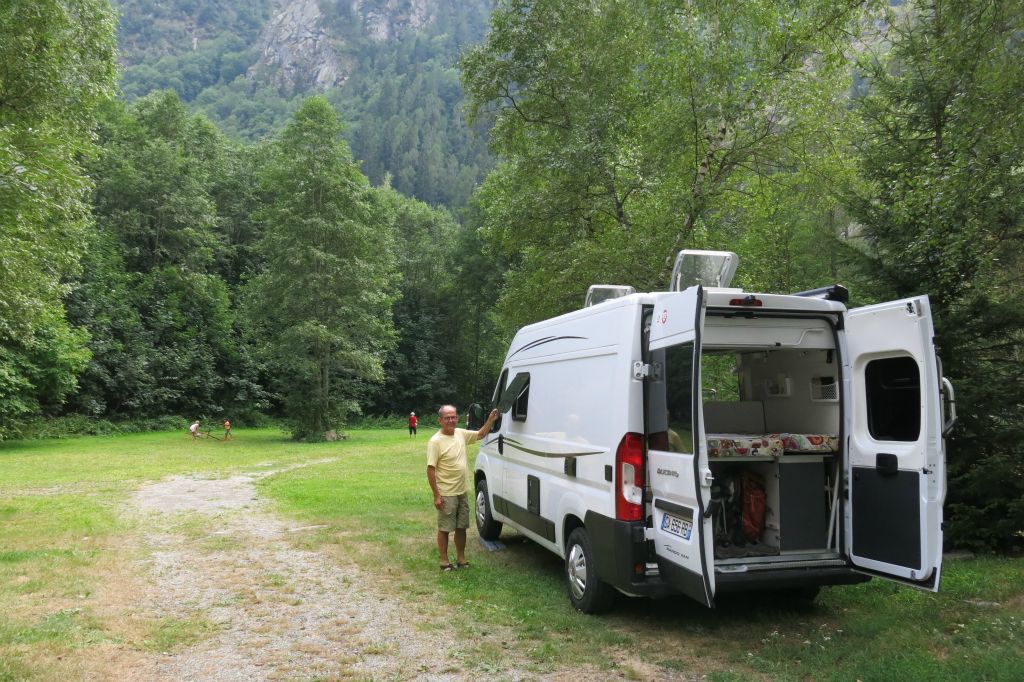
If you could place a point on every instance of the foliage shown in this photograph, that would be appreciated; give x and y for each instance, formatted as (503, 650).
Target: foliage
(72, 425)
(628, 130)
(417, 371)
(164, 338)
(56, 66)
(941, 156)
(480, 336)
(401, 95)
(322, 302)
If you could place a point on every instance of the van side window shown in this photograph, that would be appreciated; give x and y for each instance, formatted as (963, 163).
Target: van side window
(893, 388)
(670, 400)
(679, 396)
(519, 407)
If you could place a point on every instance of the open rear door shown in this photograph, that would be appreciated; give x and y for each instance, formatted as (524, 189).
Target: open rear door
(896, 462)
(677, 464)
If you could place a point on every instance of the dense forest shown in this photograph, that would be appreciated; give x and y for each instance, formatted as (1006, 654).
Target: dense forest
(390, 69)
(205, 216)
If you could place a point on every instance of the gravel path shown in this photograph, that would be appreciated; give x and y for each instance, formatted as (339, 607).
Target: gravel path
(275, 612)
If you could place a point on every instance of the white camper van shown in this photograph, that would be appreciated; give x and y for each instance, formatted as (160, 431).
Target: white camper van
(705, 439)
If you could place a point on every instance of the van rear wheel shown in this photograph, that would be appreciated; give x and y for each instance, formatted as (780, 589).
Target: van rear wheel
(587, 592)
(488, 528)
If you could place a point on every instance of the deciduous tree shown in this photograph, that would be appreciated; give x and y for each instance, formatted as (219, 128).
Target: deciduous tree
(628, 129)
(323, 300)
(56, 65)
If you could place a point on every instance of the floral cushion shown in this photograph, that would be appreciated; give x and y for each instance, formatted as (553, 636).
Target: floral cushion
(744, 445)
(804, 442)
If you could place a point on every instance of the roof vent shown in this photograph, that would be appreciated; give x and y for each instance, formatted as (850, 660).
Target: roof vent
(706, 268)
(599, 293)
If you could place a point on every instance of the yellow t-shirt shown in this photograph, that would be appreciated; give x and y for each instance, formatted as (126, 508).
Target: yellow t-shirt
(447, 454)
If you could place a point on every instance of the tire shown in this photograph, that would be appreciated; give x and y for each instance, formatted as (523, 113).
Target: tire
(587, 592)
(488, 528)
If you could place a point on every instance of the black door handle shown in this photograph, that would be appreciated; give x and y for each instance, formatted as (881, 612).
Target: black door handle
(887, 464)
(501, 444)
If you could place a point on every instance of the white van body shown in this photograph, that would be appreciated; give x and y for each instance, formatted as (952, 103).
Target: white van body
(631, 432)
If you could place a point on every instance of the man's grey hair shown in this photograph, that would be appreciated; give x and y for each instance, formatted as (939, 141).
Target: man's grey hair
(440, 410)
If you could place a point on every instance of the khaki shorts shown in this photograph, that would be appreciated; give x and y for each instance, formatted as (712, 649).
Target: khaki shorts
(454, 513)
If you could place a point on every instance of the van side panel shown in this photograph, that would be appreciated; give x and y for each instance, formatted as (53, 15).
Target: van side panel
(582, 400)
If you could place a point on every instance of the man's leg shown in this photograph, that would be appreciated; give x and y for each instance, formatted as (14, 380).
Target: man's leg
(461, 524)
(442, 544)
(460, 545)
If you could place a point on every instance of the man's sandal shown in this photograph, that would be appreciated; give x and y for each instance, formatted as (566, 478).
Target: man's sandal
(462, 564)
(447, 567)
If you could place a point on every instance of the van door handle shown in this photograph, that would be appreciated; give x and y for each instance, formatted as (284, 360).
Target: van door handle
(501, 444)
(887, 464)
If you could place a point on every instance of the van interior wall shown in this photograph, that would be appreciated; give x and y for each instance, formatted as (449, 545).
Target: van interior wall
(788, 384)
(792, 372)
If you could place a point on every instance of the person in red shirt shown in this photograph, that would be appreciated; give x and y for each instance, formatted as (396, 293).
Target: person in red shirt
(412, 424)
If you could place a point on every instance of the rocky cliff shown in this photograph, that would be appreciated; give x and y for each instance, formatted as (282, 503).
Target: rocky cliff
(311, 43)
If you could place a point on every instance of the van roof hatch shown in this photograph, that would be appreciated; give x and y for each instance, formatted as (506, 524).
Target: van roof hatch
(706, 268)
(599, 293)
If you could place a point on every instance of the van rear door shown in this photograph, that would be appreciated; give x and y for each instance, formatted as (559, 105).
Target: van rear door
(677, 465)
(896, 463)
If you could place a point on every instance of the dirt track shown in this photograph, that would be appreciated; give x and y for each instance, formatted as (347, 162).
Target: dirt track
(273, 611)
(217, 563)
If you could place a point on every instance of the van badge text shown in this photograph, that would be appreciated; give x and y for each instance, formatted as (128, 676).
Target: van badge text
(668, 472)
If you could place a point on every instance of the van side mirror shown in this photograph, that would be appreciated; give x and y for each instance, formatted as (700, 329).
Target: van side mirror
(474, 417)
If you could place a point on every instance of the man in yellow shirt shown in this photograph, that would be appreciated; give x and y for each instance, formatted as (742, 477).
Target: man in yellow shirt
(448, 474)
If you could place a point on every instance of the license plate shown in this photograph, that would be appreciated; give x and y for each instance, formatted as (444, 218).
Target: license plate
(676, 526)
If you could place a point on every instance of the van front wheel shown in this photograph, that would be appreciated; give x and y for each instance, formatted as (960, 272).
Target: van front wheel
(587, 592)
(488, 528)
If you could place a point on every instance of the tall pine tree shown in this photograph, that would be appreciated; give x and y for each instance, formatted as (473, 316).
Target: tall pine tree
(942, 209)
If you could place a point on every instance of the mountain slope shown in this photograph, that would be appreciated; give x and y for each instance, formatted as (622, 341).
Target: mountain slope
(389, 66)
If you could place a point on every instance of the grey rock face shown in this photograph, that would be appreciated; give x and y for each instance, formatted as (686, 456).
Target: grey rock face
(298, 48)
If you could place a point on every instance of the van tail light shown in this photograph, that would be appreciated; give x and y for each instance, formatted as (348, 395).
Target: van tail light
(629, 478)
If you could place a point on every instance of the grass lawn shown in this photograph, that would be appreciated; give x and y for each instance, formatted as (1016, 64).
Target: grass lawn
(61, 532)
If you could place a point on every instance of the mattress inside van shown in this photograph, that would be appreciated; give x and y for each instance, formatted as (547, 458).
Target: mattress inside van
(769, 445)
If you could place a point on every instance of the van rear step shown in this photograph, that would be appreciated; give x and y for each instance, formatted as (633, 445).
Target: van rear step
(775, 565)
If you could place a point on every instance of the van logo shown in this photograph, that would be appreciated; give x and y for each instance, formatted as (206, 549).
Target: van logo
(664, 316)
(668, 472)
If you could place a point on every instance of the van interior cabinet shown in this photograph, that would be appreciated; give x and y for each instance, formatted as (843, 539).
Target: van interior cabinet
(803, 504)
(796, 505)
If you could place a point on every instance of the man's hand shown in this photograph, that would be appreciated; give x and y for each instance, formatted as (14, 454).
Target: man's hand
(486, 428)
(438, 502)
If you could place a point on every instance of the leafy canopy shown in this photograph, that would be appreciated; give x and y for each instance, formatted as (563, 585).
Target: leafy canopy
(323, 298)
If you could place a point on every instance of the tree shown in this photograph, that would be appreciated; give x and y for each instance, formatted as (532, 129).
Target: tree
(418, 370)
(941, 203)
(56, 65)
(323, 300)
(628, 129)
(163, 326)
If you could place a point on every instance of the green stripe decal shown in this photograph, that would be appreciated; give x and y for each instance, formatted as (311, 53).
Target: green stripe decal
(541, 453)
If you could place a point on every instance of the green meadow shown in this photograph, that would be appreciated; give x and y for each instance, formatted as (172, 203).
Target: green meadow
(64, 543)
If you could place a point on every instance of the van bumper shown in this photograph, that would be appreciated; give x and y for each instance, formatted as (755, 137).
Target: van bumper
(787, 578)
(621, 555)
